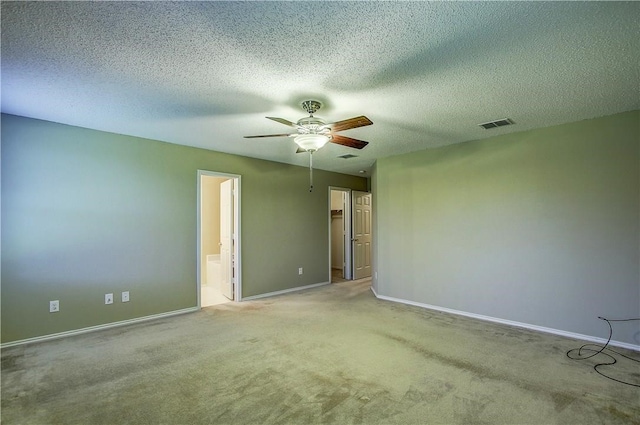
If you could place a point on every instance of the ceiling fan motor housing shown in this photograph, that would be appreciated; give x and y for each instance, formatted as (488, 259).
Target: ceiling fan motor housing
(312, 125)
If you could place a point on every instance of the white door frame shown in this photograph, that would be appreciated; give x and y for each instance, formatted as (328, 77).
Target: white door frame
(346, 218)
(237, 263)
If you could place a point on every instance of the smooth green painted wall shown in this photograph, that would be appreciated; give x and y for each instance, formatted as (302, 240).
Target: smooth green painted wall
(85, 213)
(539, 227)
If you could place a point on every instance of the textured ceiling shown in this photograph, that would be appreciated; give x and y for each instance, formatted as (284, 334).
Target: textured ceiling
(426, 73)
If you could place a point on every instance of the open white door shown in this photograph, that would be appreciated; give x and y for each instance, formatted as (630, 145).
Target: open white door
(346, 235)
(226, 238)
(361, 216)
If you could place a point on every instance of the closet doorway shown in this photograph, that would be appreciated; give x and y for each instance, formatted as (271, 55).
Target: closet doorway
(339, 234)
(350, 238)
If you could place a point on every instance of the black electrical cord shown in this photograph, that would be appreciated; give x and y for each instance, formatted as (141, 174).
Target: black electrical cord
(595, 352)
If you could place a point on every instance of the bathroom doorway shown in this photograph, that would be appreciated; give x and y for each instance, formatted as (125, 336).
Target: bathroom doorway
(218, 238)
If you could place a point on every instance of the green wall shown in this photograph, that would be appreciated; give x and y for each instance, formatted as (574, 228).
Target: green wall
(86, 213)
(539, 227)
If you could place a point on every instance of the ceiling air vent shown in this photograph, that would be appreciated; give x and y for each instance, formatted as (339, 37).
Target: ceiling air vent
(497, 123)
(347, 156)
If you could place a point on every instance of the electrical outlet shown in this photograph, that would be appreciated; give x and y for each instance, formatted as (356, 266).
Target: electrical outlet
(54, 306)
(300, 270)
(108, 298)
(125, 296)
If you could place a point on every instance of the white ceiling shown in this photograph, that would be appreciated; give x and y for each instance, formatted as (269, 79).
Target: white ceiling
(206, 74)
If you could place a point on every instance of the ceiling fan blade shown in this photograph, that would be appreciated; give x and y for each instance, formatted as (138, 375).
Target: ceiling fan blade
(300, 150)
(282, 121)
(354, 122)
(268, 135)
(348, 141)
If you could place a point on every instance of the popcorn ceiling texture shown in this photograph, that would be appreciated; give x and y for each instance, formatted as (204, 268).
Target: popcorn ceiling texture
(426, 73)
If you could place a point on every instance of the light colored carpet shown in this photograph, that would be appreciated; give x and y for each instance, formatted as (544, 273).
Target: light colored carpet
(333, 354)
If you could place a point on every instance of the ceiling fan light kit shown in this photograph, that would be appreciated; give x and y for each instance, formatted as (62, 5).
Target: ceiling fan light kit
(313, 133)
(311, 142)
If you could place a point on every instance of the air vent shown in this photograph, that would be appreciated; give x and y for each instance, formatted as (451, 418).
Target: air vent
(497, 123)
(347, 156)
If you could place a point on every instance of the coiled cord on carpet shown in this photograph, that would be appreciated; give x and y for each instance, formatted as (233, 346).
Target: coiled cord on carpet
(594, 352)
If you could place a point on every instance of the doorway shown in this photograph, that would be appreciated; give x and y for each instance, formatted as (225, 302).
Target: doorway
(349, 234)
(339, 234)
(218, 265)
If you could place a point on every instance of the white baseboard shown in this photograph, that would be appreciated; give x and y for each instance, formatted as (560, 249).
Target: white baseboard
(284, 291)
(98, 327)
(511, 323)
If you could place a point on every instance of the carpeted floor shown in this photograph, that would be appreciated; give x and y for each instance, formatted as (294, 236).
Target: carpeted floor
(333, 354)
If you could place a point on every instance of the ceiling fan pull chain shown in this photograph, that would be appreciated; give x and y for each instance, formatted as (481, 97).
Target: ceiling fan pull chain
(310, 171)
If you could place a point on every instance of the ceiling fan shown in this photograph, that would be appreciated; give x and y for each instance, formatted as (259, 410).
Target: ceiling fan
(314, 127)
(313, 132)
